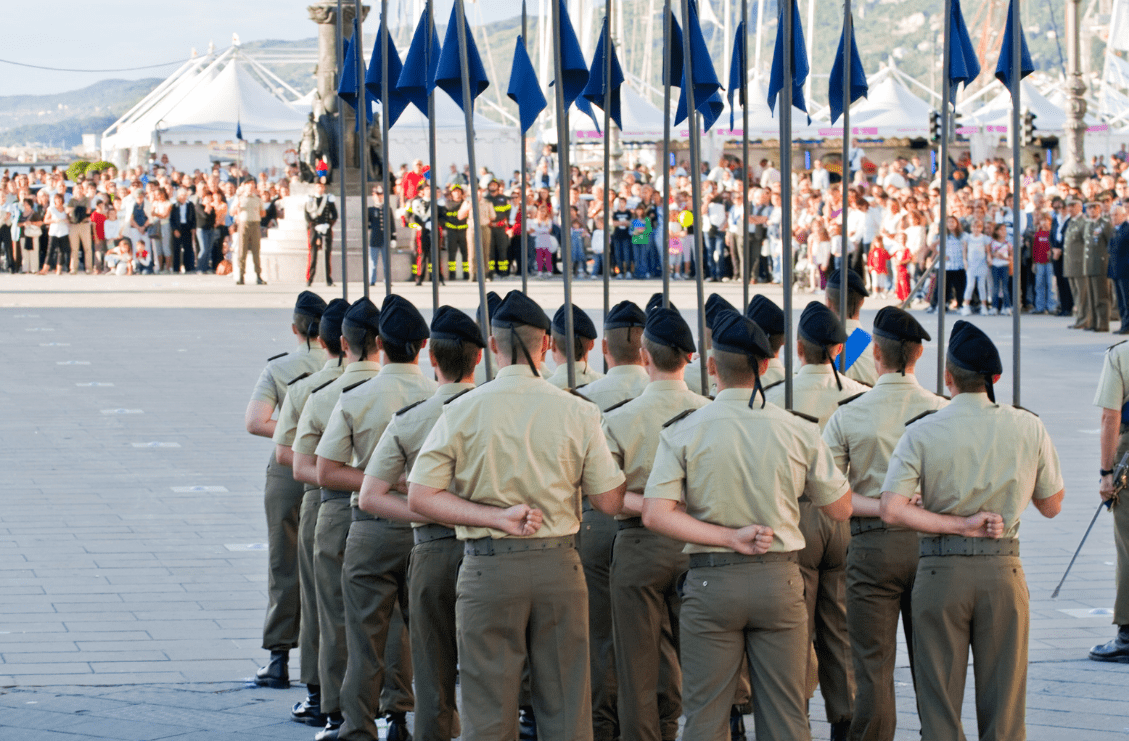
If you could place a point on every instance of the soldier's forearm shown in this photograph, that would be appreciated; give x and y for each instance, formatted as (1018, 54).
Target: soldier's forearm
(866, 506)
(1110, 432)
(377, 499)
(443, 506)
(665, 517)
(632, 504)
(337, 475)
(899, 511)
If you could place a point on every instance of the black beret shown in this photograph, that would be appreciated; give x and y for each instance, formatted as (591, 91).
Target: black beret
(363, 314)
(625, 314)
(715, 304)
(401, 322)
(970, 349)
(820, 326)
(735, 333)
(855, 283)
(309, 304)
(657, 301)
(451, 324)
(330, 322)
(582, 324)
(517, 310)
(766, 314)
(667, 327)
(493, 301)
(895, 324)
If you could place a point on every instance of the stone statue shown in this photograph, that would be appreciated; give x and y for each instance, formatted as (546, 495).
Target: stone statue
(313, 146)
(375, 149)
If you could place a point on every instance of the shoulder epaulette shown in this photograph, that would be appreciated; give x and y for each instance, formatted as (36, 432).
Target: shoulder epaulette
(1116, 344)
(580, 387)
(579, 395)
(1022, 409)
(808, 417)
(773, 385)
(353, 386)
(464, 391)
(924, 414)
(671, 421)
(946, 398)
(410, 407)
(319, 388)
(276, 357)
(299, 378)
(849, 399)
(617, 406)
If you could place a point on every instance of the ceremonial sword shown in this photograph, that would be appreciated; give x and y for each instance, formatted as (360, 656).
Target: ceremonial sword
(1120, 482)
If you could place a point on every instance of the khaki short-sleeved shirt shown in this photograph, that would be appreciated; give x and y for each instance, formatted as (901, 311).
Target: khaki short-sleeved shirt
(975, 456)
(735, 466)
(248, 208)
(863, 369)
(585, 374)
(862, 433)
(621, 383)
(815, 393)
(1113, 385)
(774, 372)
(516, 440)
(296, 397)
(633, 429)
(315, 415)
(272, 384)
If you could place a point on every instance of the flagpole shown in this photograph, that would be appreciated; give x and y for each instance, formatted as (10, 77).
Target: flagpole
(468, 106)
(563, 182)
(524, 236)
(743, 25)
(943, 227)
(1016, 77)
(389, 229)
(607, 151)
(786, 194)
(848, 60)
(696, 188)
(435, 230)
(664, 248)
(340, 48)
(362, 136)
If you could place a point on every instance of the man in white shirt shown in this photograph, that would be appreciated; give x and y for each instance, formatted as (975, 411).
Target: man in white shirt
(769, 174)
(820, 177)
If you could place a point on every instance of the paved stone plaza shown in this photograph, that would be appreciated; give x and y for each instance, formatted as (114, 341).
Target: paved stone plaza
(132, 556)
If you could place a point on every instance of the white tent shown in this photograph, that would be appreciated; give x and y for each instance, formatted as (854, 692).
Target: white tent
(889, 111)
(642, 122)
(497, 146)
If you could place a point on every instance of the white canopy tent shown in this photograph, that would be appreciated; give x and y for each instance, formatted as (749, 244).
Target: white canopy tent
(642, 122)
(496, 145)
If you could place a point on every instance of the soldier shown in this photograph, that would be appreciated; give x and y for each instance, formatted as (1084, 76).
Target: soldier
(1074, 263)
(770, 318)
(493, 301)
(859, 350)
(584, 339)
(881, 561)
(1098, 233)
(419, 213)
(646, 566)
(456, 211)
(1113, 397)
(321, 216)
(622, 343)
(454, 350)
(358, 343)
(282, 496)
(374, 570)
(971, 592)
(740, 468)
(521, 593)
(817, 390)
(329, 337)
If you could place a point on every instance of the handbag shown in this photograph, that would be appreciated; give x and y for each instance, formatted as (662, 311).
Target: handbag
(33, 231)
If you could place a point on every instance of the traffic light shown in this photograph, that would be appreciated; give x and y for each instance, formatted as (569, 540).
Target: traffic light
(934, 126)
(1028, 128)
(954, 126)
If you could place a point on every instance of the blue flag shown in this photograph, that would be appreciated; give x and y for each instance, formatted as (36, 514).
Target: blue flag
(417, 79)
(397, 101)
(799, 63)
(238, 130)
(707, 100)
(597, 85)
(347, 77)
(1003, 66)
(859, 87)
(963, 65)
(674, 43)
(737, 71)
(524, 89)
(573, 69)
(448, 75)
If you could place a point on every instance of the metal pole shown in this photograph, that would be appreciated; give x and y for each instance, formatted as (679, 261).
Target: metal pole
(843, 266)
(484, 315)
(664, 248)
(435, 230)
(563, 182)
(1016, 74)
(696, 191)
(786, 195)
(524, 236)
(943, 227)
(340, 48)
(744, 247)
(362, 119)
(389, 229)
(607, 149)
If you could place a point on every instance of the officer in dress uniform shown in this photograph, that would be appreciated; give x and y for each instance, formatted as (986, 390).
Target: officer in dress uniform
(521, 591)
(858, 347)
(321, 216)
(358, 343)
(646, 566)
(770, 318)
(375, 569)
(419, 220)
(1113, 397)
(881, 561)
(584, 339)
(1095, 251)
(623, 337)
(817, 390)
(454, 349)
(1074, 264)
(329, 337)
(282, 496)
(456, 212)
(970, 590)
(740, 466)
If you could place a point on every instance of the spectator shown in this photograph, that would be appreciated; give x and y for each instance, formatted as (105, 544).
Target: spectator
(58, 232)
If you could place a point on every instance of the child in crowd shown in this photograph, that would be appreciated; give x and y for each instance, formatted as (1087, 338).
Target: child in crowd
(819, 252)
(877, 261)
(579, 257)
(541, 227)
(118, 259)
(640, 239)
(976, 266)
(1001, 270)
(142, 259)
(902, 258)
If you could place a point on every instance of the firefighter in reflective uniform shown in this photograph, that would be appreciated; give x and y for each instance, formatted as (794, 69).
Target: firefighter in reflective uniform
(498, 247)
(455, 213)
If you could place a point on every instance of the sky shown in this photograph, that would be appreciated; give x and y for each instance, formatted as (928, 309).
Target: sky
(113, 34)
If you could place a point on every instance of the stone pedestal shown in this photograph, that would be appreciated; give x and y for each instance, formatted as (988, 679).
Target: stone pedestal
(1074, 169)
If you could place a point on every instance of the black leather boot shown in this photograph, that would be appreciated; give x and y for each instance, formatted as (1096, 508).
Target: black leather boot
(736, 725)
(839, 730)
(1116, 650)
(309, 710)
(398, 728)
(276, 674)
(332, 728)
(527, 724)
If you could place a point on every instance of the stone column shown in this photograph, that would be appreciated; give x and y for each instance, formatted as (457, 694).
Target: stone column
(325, 15)
(1074, 169)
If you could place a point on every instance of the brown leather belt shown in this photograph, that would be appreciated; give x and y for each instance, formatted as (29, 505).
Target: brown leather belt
(708, 560)
(428, 533)
(499, 546)
(955, 545)
(860, 525)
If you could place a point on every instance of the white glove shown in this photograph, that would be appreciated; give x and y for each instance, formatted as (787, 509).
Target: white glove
(322, 228)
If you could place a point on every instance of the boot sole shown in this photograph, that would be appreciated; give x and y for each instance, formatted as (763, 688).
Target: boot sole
(318, 722)
(274, 684)
(1110, 659)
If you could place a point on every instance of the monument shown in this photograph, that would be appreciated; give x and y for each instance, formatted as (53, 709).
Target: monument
(1074, 169)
